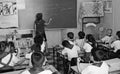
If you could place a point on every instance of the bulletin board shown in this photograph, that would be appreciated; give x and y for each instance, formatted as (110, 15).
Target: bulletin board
(62, 12)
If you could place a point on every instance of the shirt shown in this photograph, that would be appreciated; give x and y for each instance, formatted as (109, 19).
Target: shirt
(87, 47)
(116, 45)
(79, 42)
(6, 59)
(71, 53)
(92, 69)
(43, 72)
(107, 39)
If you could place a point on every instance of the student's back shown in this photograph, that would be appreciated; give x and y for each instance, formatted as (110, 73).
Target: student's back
(37, 60)
(80, 41)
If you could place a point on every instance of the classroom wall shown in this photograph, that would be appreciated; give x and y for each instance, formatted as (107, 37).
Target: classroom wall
(116, 15)
(55, 36)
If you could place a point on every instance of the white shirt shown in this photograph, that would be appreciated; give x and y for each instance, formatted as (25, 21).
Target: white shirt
(87, 47)
(72, 53)
(116, 45)
(43, 72)
(107, 39)
(103, 69)
(71, 42)
(79, 42)
(43, 47)
(6, 59)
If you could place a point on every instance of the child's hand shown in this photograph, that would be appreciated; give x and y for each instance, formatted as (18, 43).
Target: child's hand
(50, 19)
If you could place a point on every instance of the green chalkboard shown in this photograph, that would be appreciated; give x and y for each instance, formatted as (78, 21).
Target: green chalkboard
(63, 13)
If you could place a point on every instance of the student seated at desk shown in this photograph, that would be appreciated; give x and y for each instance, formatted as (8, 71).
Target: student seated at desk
(88, 45)
(70, 50)
(80, 42)
(8, 57)
(98, 67)
(39, 46)
(70, 36)
(108, 39)
(116, 45)
(37, 59)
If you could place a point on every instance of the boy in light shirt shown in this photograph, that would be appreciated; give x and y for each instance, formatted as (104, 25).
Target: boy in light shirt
(116, 45)
(108, 38)
(70, 50)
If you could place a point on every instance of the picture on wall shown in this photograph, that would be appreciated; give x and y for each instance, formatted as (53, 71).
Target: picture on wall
(108, 6)
(8, 14)
(92, 9)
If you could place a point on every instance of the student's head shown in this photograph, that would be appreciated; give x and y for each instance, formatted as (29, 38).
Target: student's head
(11, 46)
(118, 34)
(39, 16)
(3, 46)
(81, 34)
(109, 31)
(98, 54)
(90, 38)
(66, 43)
(38, 39)
(70, 35)
(37, 59)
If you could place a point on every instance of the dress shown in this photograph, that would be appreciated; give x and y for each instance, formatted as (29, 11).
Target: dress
(40, 28)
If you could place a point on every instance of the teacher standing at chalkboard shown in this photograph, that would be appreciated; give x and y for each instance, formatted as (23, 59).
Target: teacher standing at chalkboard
(40, 24)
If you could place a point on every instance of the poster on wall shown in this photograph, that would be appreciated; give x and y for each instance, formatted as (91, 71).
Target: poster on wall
(92, 9)
(8, 14)
(107, 5)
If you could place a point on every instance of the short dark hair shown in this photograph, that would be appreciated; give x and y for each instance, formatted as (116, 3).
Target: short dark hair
(118, 33)
(37, 59)
(39, 16)
(81, 34)
(70, 35)
(90, 38)
(65, 43)
(3, 45)
(11, 44)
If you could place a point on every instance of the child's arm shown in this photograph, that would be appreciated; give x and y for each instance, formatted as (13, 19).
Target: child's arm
(47, 23)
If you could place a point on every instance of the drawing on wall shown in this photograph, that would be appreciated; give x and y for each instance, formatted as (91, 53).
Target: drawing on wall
(92, 9)
(107, 5)
(8, 14)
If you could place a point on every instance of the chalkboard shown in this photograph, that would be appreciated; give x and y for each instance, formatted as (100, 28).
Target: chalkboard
(63, 13)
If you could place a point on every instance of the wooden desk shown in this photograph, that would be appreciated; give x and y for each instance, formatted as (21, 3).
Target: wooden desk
(114, 66)
(13, 72)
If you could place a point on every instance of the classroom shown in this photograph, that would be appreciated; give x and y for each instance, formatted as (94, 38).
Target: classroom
(59, 37)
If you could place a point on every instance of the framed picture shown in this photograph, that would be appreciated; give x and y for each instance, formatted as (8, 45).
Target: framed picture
(92, 9)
